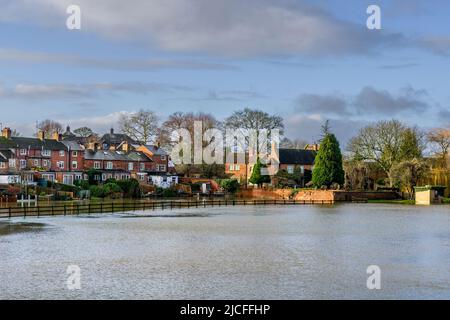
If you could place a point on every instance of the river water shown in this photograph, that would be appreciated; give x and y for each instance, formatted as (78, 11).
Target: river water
(252, 252)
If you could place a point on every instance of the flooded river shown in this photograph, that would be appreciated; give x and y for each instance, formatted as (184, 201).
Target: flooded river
(252, 252)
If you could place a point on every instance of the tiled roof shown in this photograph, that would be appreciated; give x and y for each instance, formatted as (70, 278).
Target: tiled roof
(297, 156)
(156, 150)
(109, 155)
(5, 155)
(117, 138)
(73, 145)
(32, 143)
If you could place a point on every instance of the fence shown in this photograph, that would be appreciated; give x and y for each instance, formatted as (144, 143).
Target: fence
(105, 207)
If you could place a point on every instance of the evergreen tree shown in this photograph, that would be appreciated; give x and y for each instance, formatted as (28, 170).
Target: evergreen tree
(256, 177)
(328, 164)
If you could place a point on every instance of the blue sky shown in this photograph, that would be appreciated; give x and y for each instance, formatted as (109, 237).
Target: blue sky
(305, 60)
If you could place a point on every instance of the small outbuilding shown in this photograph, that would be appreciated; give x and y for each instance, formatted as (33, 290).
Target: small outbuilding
(427, 195)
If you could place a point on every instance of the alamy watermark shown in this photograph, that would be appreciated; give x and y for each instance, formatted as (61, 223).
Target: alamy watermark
(73, 282)
(214, 146)
(374, 280)
(73, 22)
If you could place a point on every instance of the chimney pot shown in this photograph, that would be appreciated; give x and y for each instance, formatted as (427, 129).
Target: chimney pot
(41, 135)
(6, 133)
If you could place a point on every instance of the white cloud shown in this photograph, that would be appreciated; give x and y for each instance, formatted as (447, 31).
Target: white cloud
(222, 27)
(20, 56)
(76, 91)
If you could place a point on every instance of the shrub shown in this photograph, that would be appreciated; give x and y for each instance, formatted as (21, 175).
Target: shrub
(229, 185)
(328, 163)
(111, 190)
(168, 193)
(97, 191)
(83, 184)
(131, 188)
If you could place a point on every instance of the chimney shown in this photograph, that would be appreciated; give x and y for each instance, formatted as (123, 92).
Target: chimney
(112, 131)
(158, 144)
(6, 133)
(41, 135)
(56, 136)
(125, 146)
(68, 129)
(96, 147)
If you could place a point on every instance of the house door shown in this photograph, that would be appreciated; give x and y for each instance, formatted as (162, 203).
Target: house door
(68, 179)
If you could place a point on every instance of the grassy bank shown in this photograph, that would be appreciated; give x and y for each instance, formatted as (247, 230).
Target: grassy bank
(392, 201)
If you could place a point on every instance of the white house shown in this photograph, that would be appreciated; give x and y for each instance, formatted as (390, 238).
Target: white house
(163, 181)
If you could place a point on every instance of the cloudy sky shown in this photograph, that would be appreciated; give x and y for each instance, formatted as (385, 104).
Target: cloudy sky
(305, 60)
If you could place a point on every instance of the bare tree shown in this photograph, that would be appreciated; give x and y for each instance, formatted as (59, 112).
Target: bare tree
(141, 126)
(180, 120)
(439, 138)
(253, 119)
(83, 132)
(50, 127)
(386, 143)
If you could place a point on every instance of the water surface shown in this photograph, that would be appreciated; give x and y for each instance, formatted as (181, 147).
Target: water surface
(252, 252)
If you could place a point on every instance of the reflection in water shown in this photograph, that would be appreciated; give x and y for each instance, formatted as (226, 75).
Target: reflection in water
(285, 252)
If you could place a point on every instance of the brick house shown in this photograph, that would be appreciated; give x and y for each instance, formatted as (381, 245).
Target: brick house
(119, 165)
(290, 160)
(36, 157)
(159, 156)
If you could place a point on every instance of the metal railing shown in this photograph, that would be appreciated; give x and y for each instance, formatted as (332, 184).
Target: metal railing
(123, 207)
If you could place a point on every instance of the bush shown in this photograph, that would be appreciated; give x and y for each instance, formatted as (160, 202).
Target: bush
(168, 193)
(97, 192)
(111, 190)
(229, 185)
(130, 188)
(67, 188)
(83, 184)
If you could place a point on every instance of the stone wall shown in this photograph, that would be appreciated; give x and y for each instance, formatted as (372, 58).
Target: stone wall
(317, 195)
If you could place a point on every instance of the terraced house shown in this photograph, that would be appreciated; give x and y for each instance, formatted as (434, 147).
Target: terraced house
(66, 158)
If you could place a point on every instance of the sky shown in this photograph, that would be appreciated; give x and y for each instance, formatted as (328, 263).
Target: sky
(306, 61)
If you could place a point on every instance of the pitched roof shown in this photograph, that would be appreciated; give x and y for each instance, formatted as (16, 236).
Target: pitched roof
(156, 150)
(73, 145)
(32, 143)
(297, 156)
(5, 155)
(109, 155)
(117, 138)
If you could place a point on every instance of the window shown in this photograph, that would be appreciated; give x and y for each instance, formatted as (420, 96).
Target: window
(48, 177)
(96, 165)
(163, 157)
(45, 163)
(62, 153)
(46, 153)
(2, 165)
(130, 166)
(104, 177)
(109, 165)
(36, 162)
(142, 166)
(12, 163)
(78, 177)
(290, 169)
(60, 164)
(74, 153)
(23, 152)
(23, 163)
(231, 167)
(74, 164)
(237, 167)
(141, 177)
(302, 169)
(162, 167)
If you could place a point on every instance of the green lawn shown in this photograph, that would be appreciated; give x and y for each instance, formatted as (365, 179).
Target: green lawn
(393, 201)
